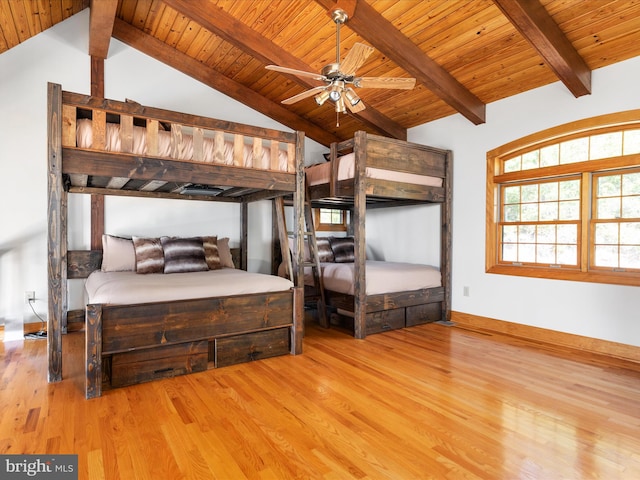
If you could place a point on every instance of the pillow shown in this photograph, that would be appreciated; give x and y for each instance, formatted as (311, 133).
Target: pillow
(118, 254)
(183, 255)
(149, 255)
(343, 249)
(325, 253)
(211, 253)
(226, 260)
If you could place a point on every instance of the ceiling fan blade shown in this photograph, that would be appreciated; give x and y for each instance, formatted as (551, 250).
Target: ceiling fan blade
(305, 94)
(293, 71)
(385, 82)
(355, 58)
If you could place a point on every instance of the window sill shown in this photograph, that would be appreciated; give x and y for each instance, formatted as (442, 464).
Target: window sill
(615, 278)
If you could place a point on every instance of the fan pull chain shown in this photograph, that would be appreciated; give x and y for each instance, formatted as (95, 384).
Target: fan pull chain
(337, 119)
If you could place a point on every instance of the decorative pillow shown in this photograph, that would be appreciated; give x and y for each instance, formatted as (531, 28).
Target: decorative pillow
(343, 249)
(211, 253)
(118, 254)
(325, 253)
(183, 255)
(149, 255)
(226, 260)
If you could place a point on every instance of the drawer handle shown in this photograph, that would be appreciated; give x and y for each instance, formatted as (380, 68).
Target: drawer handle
(252, 354)
(386, 326)
(163, 370)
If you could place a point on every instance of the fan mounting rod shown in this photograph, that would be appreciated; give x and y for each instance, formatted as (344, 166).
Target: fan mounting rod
(339, 16)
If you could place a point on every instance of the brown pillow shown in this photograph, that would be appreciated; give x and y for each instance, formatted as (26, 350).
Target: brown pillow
(183, 255)
(149, 255)
(226, 259)
(211, 253)
(343, 249)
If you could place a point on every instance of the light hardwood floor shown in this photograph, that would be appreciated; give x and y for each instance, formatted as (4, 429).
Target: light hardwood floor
(427, 402)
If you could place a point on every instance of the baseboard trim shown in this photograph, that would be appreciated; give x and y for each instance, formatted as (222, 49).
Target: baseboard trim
(542, 335)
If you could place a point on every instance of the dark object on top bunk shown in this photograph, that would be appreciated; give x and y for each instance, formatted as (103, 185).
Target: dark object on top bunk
(370, 171)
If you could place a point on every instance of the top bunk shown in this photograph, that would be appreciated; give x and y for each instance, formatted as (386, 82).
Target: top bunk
(387, 172)
(124, 148)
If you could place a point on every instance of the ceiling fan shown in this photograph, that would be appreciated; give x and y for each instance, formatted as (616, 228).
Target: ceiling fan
(340, 78)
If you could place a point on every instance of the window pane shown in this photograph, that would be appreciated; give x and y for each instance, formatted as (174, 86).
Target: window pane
(630, 257)
(549, 191)
(546, 234)
(530, 212)
(550, 155)
(607, 233)
(509, 233)
(567, 234)
(606, 256)
(510, 253)
(527, 233)
(574, 150)
(527, 253)
(631, 142)
(548, 211)
(546, 254)
(606, 145)
(608, 208)
(336, 217)
(609, 186)
(631, 207)
(567, 254)
(512, 213)
(630, 233)
(570, 190)
(631, 184)
(531, 160)
(512, 195)
(325, 216)
(569, 210)
(529, 193)
(513, 165)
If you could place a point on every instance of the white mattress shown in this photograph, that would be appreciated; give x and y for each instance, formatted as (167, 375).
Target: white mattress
(321, 173)
(130, 288)
(381, 277)
(84, 139)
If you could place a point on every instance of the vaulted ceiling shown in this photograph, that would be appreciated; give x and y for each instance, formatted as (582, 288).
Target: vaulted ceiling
(463, 54)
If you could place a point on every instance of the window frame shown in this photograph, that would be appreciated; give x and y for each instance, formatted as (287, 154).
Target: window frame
(587, 170)
(330, 227)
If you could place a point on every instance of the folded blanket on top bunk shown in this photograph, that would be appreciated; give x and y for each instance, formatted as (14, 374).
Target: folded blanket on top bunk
(321, 173)
(123, 288)
(84, 139)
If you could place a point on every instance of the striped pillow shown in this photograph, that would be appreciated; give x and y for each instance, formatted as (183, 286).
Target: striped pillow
(343, 249)
(325, 253)
(183, 255)
(149, 255)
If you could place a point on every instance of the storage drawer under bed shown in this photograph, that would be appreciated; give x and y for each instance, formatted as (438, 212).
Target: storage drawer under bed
(427, 313)
(159, 362)
(251, 346)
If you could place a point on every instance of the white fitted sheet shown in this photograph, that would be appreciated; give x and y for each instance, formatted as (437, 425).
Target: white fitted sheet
(123, 288)
(381, 277)
(321, 173)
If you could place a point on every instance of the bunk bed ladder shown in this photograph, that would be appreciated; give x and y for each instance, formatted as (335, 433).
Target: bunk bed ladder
(309, 235)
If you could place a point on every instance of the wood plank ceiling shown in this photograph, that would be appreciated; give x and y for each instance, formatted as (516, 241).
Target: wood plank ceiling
(464, 54)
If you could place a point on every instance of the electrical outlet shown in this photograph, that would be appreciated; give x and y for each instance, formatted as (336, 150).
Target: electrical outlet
(29, 296)
(465, 291)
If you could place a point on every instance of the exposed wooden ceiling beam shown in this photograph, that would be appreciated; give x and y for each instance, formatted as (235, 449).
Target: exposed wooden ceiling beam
(101, 17)
(164, 53)
(382, 35)
(241, 36)
(538, 27)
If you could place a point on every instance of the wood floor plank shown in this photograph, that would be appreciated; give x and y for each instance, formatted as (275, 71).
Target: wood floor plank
(431, 401)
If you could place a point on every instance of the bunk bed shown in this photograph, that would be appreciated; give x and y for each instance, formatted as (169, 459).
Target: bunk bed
(370, 171)
(104, 147)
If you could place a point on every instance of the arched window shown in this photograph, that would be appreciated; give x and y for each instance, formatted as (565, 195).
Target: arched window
(565, 203)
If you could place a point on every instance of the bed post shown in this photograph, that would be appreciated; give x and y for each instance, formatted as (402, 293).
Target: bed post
(446, 236)
(56, 234)
(360, 206)
(244, 227)
(93, 351)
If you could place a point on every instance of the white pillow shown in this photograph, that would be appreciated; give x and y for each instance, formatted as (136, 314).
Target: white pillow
(118, 254)
(226, 260)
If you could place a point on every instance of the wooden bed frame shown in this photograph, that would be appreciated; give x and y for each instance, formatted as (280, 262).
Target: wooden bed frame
(378, 313)
(128, 344)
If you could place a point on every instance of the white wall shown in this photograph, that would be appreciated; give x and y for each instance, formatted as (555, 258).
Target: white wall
(60, 55)
(602, 311)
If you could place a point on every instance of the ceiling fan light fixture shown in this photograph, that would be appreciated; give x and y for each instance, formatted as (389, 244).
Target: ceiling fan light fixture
(335, 91)
(322, 97)
(351, 96)
(340, 106)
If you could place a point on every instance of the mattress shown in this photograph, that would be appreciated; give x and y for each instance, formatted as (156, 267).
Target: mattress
(123, 288)
(84, 139)
(321, 173)
(381, 277)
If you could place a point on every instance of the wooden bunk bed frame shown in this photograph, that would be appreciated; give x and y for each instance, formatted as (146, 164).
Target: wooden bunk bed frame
(128, 344)
(377, 313)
